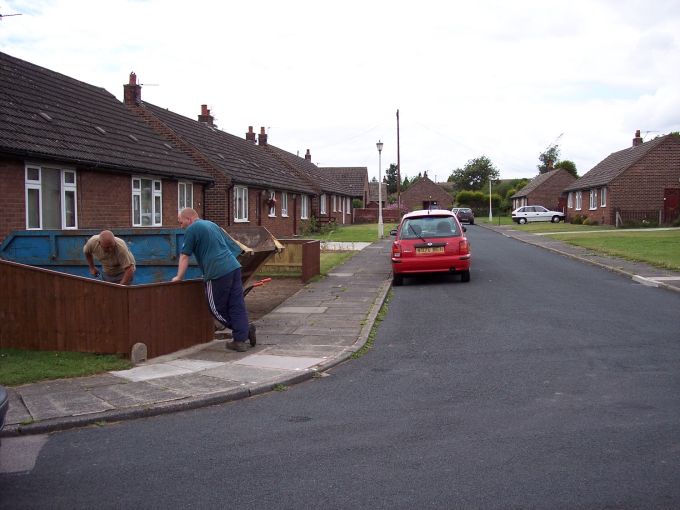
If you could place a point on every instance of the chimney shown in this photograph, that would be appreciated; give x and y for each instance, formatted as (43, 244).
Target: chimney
(205, 116)
(308, 155)
(638, 139)
(250, 135)
(262, 139)
(132, 93)
(550, 165)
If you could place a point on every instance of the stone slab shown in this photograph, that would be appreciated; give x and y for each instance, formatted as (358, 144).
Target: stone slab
(146, 372)
(46, 406)
(341, 275)
(195, 365)
(301, 309)
(195, 384)
(280, 362)
(17, 412)
(245, 374)
(135, 394)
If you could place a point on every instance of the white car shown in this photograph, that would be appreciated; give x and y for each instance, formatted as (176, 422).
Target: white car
(527, 213)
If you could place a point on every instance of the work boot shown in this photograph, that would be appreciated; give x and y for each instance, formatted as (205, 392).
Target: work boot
(236, 346)
(252, 334)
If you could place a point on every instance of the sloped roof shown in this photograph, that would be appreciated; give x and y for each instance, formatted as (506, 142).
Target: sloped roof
(243, 161)
(352, 179)
(373, 192)
(614, 165)
(536, 182)
(425, 186)
(47, 115)
(307, 170)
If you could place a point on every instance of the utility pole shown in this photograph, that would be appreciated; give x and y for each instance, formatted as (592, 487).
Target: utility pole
(398, 168)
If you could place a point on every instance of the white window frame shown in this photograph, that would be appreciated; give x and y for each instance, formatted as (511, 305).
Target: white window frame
(593, 199)
(240, 213)
(64, 188)
(156, 207)
(570, 200)
(322, 204)
(335, 203)
(272, 208)
(579, 200)
(185, 199)
(603, 197)
(304, 207)
(348, 206)
(284, 204)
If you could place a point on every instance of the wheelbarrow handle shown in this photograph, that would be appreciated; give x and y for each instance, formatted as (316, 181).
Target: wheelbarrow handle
(258, 283)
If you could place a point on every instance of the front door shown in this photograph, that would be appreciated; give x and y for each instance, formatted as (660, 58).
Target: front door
(671, 204)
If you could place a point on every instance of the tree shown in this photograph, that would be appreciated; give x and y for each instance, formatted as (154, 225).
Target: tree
(475, 174)
(391, 178)
(549, 158)
(567, 165)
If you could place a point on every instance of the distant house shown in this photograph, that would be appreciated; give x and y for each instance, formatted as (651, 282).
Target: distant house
(374, 197)
(353, 179)
(640, 183)
(545, 189)
(425, 194)
(73, 157)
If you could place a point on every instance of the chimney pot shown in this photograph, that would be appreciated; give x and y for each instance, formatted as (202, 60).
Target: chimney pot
(132, 92)
(133, 78)
(205, 116)
(262, 139)
(638, 139)
(308, 155)
(250, 135)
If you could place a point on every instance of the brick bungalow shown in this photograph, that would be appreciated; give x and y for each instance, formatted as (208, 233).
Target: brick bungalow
(73, 157)
(353, 179)
(373, 196)
(425, 194)
(546, 190)
(640, 183)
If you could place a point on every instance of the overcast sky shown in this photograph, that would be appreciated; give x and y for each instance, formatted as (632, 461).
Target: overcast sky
(503, 79)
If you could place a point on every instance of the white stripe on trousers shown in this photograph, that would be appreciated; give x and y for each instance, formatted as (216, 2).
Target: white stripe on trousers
(211, 303)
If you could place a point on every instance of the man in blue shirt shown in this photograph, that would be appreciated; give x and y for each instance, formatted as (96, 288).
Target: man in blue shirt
(216, 254)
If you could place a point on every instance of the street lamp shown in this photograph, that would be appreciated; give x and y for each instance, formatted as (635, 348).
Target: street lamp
(381, 233)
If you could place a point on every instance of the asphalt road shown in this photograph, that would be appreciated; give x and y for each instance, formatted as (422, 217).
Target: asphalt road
(542, 383)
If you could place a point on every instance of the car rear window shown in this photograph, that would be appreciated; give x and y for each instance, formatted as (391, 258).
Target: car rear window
(429, 227)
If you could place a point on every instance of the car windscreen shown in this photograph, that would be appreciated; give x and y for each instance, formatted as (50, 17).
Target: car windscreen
(429, 227)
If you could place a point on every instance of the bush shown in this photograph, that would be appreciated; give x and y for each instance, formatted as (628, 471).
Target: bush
(676, 223)
(577, 219)
(315, 227)
(590, 221)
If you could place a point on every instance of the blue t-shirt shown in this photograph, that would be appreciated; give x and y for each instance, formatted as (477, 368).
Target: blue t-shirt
(214, 250)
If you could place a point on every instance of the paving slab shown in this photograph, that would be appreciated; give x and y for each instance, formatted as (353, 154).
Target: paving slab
(153, 371)
(280, 362)
(17, 412)
(194, 384)
(246, 374)
(45, 406)
(135, 394)
(301, 309)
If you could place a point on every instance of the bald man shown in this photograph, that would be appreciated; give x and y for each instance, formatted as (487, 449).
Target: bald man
(216, 254)
(118, 264)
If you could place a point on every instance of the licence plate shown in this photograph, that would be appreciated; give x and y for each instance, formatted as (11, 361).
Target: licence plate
(430, 249)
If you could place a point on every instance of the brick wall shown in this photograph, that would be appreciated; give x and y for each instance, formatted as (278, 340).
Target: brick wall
(13, 196)
(548, 194)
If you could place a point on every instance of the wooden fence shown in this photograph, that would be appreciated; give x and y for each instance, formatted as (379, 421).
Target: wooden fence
(47, 310)
(300, 256)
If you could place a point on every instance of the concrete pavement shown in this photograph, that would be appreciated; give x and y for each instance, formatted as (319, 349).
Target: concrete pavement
(315, 329)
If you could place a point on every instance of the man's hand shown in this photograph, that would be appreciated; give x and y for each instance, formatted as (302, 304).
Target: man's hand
(93, 271)
(176, 279)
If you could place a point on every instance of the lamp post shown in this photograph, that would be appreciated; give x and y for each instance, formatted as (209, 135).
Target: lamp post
(381, 233)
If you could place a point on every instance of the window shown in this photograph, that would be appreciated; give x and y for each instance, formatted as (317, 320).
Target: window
(147, 203)
(284, 204)
(322, 204)
(50, 198)
(570, 200)
(185, 195)
(593, 199)
(603, 197)
(272, 204)
(304, 207)
(240, 203)
(348, 206)
(579, 199)
(335, 203)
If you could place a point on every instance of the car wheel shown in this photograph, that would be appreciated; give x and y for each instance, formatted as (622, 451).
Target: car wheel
(465, 276)
(522, 221)
(472, 222)
(555, 219)
(397, 280)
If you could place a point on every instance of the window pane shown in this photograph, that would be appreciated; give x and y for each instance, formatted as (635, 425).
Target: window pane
(33, 198)
(157, 185)
(69, 178)
(157, 211)
(51, 197)
(136, 184)
(33, 174)
(136, 210)
(70, 209)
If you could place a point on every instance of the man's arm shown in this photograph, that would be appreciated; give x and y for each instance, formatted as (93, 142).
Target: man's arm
(181, 267)
(90, 263)
(127, 276)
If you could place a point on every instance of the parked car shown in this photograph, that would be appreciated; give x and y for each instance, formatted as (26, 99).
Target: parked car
(4, 405)
(430, 242)
(527, 213)
(464, 214)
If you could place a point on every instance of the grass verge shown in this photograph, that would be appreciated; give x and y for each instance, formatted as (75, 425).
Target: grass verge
(23, 367)
(358, 233)
(660, 248)
(374, 330)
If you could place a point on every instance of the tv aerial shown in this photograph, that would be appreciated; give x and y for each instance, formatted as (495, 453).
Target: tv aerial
(7, 15)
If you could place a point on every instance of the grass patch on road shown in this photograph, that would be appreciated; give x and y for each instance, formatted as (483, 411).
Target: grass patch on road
(660, 248)
(23, 367)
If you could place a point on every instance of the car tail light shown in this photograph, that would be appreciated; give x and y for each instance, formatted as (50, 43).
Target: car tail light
(396, 249)
(463, 247)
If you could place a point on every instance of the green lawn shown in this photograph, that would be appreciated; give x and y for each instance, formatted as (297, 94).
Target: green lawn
(539, 227)
(660, 248)
(362, 233)
(331, 259)
(23, 367)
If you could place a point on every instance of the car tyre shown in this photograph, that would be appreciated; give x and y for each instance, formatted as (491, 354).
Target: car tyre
(472, 222)
(555, 219)
(522, 221)
(465, 276)
(397, 280)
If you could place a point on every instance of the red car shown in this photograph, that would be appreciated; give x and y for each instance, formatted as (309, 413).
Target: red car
(430, 242)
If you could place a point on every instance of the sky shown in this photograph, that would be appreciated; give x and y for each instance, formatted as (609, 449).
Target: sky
(489, 78)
